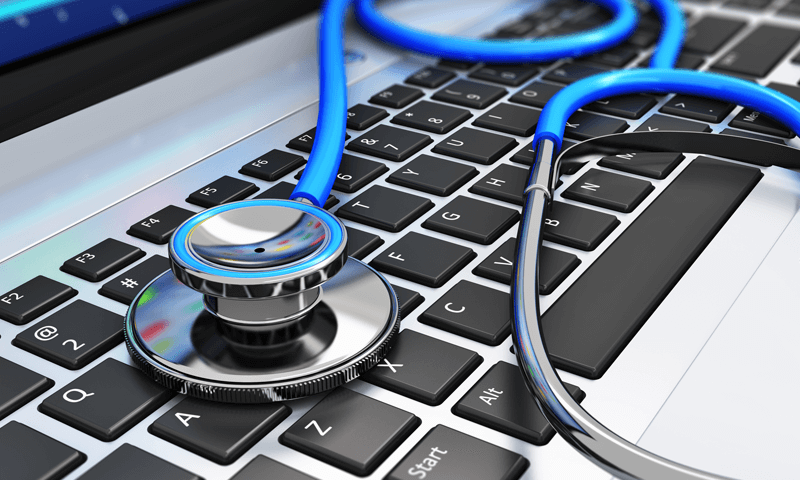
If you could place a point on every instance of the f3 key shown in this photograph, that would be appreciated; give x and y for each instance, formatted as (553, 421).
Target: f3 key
(100, 261)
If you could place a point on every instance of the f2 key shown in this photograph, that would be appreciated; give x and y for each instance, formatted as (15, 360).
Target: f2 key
(100, 261)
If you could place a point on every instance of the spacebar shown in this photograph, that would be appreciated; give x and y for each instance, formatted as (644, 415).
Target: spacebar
(592, 322)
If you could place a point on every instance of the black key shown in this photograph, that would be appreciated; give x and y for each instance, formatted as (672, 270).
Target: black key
(506, 182)
(26, 454)
(758, 53)
(422, 259)
(626, 106)
(305, 141)
(704, 109)
(215, 430)
(433, 175)
(100, 261)
(791, 9)
(445, 454)
(525, 157)
(616, 57)
(470, 94)
(73, 336)
(650, 256)
(577, 227)
(261, 468)
(517, 29)
(125, 287)
(407, 300)
(473, 311)
(739, 133)
(501, 402)
(572, 72)
(749, 4)
(749, 119)
(390, 143)
(512, 75)
(710, 33)
(609, 190)
(33, 298)
(643, 38)
(385, 208)
(648, 164)
(361, 243)
(432, 117)
(283, 190)
(350, 431)
(583, 126)
(222, 190)
(20, 386)
(536, 94)
(456, 64)
(131, 463)
(510, 119)
(355, 173)
(106, 401)
(430, 77)
(685, 60)
(476, 146)
(361, 117)
(396, 96)
(662, 122)
(272, 165)
(473, 220)
(159, 227)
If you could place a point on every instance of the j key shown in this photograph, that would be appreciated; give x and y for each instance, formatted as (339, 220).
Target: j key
(283, 190)
(470, 94)
(33, 298)
(396, 96)
(216, 431)
(100, 261)
(407, 300)
(106, 401)
(222, 190)
(355, 173)
(704, 109)
(476, 146)
(73, 336)
(390, 143)
(159, 227)
(272, 165)
(433, 175)
(445, 454)
(510, 119)
(131, 463)
(511, 75)
(360, 243)
(473, 220)
(710, 33)
(583, 126)
(385, 208)
(501, 402)
(685, 60)
(626, 106)
(506, 182)
(424, 260)
(473, 311)
(572, 72)
(305, 141)
(662, 122)
(423, 368)
(758, 53)
(125, 287)
(536, 94)
(20, 386)
(430, 77)
(261, 468)
(361, 117)
(749, 119)
(609, 190)
(350, 431)
(649, 164)
(432, 117)
(577, 227)
(525, 157)
(26, 454)
(616, 57)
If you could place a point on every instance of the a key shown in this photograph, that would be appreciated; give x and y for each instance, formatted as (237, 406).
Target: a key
(20, 386)
(577, 227)
(473, 220)
(445, 454)
(385, 208)
(131, 463)
(703, 109)
(501, 402)
(649, 164)
(473, 311)
(102, 260)
(159, 227)
(433, 175)
(710, 33)
(261, 468)
(663, 122)
(609, 190)
(456, 64)
(272, 165)
(222, 190)
(685, 60)
(390, 143)
(616, 57)
(361, 117)
(350, 431)
(283, 190)
(525, 157)
(432, 117)
(126, 286)
(506, 182)
(361, 243)
(407, 300)
(430, 77)
(626, 106)
(758, 53)
(590, 324)
(355, 173)
(33, 298)
(423, 368)
(396, 96)
(510, 119)
(583, 126)
(535, 94)
(305, 141)
(476, 146)
(27, 454)
(73, 336)
(215, 430)
(470, 94)
(511, 75)
(106, 401)
(572, 72)
(424, 260)
(749, 119)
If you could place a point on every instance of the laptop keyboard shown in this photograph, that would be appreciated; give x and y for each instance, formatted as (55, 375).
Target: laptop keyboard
(430, 189)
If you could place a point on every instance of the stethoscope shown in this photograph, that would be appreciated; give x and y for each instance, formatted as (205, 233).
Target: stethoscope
(263, 304)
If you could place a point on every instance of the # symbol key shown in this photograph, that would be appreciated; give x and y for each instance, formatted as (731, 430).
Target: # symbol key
(129, 283)
(409, 114)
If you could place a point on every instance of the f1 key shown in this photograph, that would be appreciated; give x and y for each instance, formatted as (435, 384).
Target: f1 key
(100, 261)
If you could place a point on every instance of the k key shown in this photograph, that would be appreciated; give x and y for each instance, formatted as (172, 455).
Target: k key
(663, 122)
(583, 126)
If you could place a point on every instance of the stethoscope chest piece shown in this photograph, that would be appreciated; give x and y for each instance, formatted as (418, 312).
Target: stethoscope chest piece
(262, 304)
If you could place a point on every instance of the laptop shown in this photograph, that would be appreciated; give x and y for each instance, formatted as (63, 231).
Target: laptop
(122, 119)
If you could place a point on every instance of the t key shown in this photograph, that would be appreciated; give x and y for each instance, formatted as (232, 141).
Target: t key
(385, 208)
(100, 261)
(390, 143)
